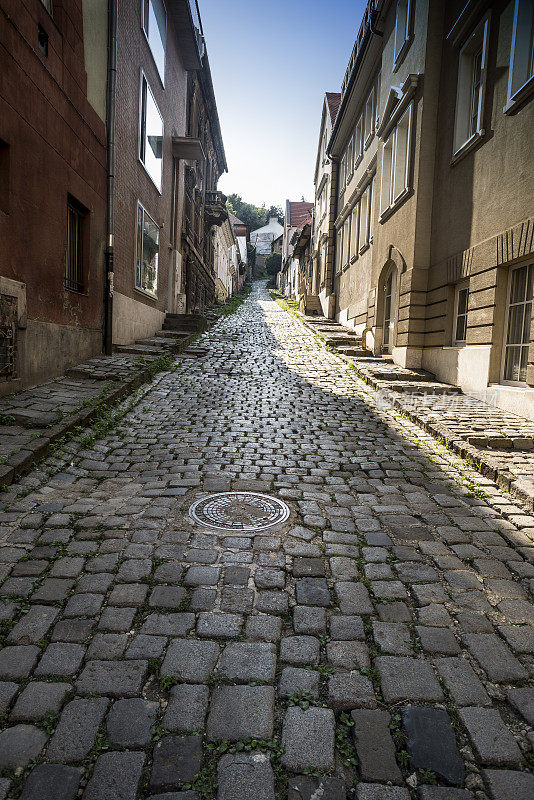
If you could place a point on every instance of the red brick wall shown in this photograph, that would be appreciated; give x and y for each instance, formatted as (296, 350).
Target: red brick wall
(56, 147)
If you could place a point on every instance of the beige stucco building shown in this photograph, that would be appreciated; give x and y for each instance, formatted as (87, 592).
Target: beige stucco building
(431, 173)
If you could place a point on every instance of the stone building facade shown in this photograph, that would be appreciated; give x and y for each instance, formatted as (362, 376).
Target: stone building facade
(432, 225)
(52, 194)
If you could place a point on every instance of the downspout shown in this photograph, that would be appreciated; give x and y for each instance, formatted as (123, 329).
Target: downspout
(111, 101)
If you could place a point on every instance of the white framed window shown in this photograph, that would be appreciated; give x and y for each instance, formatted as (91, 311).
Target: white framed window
(346, 241)
(472, 67)
(396, 162)
(150, 133)
(154, 24)
(350, 158)
(521, 73)
(339, 248)
(403, 30)
(369, 125)
(147, 253)
(354, 230)
(342, 173)
(378, 89)
(365, 206)
(518, 324)
(358, 141)
(461, 302)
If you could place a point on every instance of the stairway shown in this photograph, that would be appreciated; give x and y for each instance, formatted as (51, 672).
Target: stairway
(178, 332)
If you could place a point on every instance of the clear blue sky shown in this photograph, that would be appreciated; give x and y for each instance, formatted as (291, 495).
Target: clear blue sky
(271, 63)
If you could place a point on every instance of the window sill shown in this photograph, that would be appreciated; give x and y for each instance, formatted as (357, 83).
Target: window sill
(149, 295)
(456, 346)
(149, 175)
(358, 162)
(354, 259)
(467, 146)
(516, 101)
(364, 248)
(390, 210)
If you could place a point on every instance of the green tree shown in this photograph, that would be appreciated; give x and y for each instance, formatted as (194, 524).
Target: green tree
(273, 263)
(253, 216)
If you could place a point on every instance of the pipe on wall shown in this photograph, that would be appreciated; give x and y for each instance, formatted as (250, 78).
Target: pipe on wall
(110, 189)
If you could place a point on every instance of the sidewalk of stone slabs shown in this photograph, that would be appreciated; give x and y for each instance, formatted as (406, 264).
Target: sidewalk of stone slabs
(497, 465)
(33, 420)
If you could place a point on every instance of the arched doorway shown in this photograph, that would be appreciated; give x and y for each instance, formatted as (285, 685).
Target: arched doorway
(390, 309)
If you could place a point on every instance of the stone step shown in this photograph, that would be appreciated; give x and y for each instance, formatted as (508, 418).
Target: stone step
(356, 352)
(401, 375)
(139, 349)
(171, 333)
(156, 341)
(422, 388)
(337, 340)
(186, 322)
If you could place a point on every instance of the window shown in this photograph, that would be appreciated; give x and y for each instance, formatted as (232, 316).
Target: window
(402, 30)
(377, 98)
(358, 142)
(369, 126)
(471, 85)
(154, 23)
(147, 255)
(73, 278)
(518, 323)
(350, 158)
(461, 301)
(342, 174)
(339, 249)
(346, 241)
(354, 229)
(521, 74)
(4, 176)
(42, 40)
(396, 162)
(365, 206)
(150, 134)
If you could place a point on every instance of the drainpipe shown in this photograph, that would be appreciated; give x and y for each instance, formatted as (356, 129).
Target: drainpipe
(110, 209)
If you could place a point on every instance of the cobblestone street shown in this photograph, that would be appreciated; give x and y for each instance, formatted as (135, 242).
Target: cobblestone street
(378, 644)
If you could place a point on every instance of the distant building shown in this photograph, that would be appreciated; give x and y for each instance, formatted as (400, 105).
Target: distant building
(297, 215)
(263, 238)
(242, 237)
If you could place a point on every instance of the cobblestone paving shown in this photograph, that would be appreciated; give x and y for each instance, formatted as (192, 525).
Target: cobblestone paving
(378, 645)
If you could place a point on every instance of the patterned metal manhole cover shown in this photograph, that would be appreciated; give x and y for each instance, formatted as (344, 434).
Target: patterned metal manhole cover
(239, 511)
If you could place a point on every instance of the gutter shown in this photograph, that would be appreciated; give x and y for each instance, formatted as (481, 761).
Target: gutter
(111, 105)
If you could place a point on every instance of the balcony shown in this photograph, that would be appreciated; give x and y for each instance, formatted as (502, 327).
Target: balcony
(188, 26)
(215, 211)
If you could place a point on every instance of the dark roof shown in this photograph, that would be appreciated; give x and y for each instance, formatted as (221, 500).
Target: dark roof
(334, 100)
(235, 220)
(299, 213)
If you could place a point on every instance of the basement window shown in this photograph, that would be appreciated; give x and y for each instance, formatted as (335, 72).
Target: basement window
(74, 257)
(42, 40)
(521, 74)
(147, 255)
(461, 302)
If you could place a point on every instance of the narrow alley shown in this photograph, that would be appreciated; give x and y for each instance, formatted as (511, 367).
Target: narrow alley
(362, 628)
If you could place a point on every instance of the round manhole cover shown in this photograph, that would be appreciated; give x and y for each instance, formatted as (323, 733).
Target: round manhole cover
(239, 511)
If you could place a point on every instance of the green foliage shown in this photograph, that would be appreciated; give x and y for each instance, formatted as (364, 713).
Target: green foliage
(273, 263)
(253, 216)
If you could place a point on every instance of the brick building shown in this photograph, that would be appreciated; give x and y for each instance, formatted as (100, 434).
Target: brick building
(169, 156)
(52, 193)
